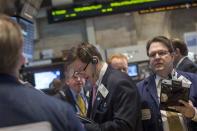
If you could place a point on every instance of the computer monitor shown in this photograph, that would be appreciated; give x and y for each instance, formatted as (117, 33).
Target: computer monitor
(133, 70)
(44, 78)
(28, 36)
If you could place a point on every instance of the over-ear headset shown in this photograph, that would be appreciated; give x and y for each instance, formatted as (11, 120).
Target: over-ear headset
(94, 59)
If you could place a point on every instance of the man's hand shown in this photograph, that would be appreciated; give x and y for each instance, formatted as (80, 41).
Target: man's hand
(187, 110)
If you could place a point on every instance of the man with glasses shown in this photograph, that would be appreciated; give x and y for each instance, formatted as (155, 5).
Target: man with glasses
(161, 56)
(73, 90)
(114, 102)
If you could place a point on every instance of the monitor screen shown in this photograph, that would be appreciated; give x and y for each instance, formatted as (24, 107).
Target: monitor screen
(91, 8)
(133, 70)
(43, 79)
(28, 36)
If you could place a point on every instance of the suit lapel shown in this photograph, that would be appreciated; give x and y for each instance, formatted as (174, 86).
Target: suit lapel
(70, 98)
(90, 103)
(181, 66)
(98, 100)
(152, 89)
(99, 97)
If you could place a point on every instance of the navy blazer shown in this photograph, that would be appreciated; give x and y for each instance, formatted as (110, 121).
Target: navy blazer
(65, 94)
(149, 100)
(21, 105)
(187, 66)
(120, 109)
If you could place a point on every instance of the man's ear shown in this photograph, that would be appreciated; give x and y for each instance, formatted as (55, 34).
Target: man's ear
(173, 55)
(23, 59)
(177, 51)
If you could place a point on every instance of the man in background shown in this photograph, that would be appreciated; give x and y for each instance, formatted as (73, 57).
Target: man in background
(161, 56)
(114, 102)
(181, 60)
(19, 104)
(73, 90)
(119, 62)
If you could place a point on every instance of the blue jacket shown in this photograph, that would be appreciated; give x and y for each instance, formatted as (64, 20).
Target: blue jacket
(21, 105)
(66, 95)
(149, 100)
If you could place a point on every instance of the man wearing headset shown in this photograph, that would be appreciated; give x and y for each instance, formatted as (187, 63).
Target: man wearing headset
(73, 90)
(115, 103)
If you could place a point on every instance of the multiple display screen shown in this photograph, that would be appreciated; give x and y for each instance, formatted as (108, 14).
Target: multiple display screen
(78, 11)
(94, 9)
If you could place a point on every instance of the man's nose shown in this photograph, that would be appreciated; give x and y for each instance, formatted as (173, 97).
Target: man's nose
(78, 78)
(157, 55)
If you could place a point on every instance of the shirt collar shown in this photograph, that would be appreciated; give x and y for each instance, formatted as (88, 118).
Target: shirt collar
(173, 75)
(75, 94)
(101, 74)
(157, 79)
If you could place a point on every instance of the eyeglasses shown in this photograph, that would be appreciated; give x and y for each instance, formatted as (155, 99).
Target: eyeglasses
(85, 67)
(80, 74)
(77, 75)
(159, 53)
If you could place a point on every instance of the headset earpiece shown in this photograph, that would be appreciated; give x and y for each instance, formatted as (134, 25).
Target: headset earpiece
(94, 60)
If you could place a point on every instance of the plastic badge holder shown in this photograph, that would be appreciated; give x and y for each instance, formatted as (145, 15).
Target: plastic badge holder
(171, 92)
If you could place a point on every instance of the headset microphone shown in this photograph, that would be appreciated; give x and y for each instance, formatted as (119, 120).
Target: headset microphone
(93, 60)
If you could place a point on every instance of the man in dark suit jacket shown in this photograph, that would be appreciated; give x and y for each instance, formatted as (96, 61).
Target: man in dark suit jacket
(181, 61)
(68, 95)
(73, 86)
(19, 104)
(114, 103)
(160, 52)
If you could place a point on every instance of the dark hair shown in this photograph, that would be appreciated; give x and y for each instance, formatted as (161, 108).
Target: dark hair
(83, 51)
(176, 43)
(162, 39)
(86, 52)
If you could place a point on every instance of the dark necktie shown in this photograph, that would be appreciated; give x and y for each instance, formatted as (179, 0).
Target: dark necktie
(94, 90)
